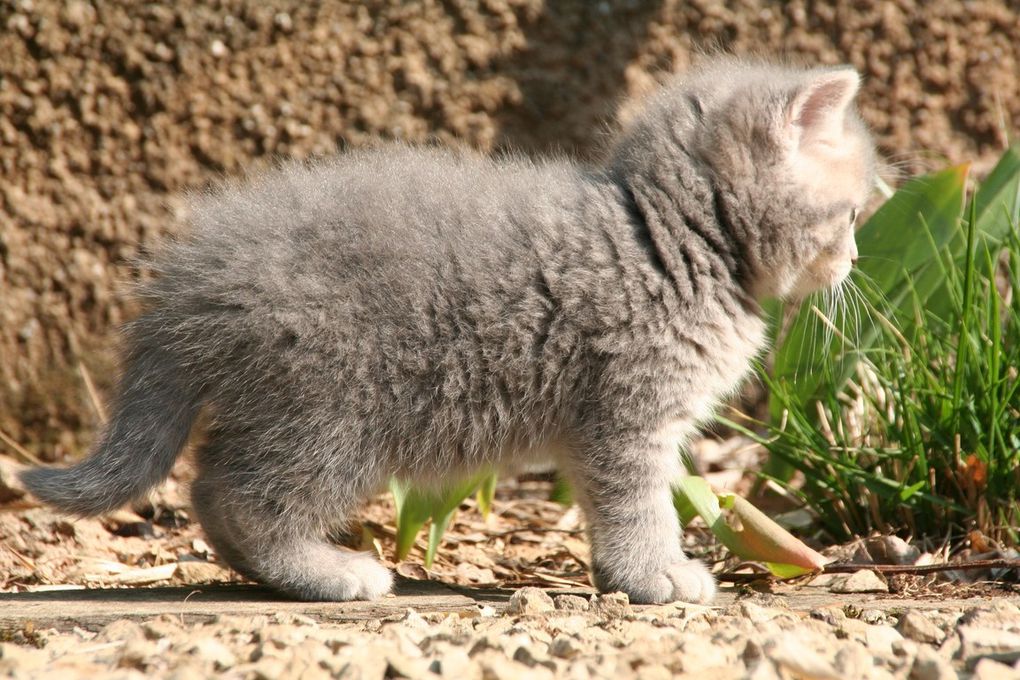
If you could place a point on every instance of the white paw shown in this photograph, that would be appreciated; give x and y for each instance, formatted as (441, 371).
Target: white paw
(365, 578)
(334, 575)
(687, 581)
(691, 582)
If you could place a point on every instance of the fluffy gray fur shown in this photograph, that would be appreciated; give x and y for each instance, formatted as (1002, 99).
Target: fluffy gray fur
(421, 313)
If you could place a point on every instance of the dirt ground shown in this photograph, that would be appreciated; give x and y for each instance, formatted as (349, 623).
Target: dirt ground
(109, 110)
(138, 594)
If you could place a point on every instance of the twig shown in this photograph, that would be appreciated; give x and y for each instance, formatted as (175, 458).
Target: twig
(919, 569)
(21, 558)
(1002, 563)
(90, 387)
(26, 455)
(537, 530)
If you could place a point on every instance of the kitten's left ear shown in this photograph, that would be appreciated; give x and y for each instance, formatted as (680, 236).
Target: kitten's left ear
(818, 109)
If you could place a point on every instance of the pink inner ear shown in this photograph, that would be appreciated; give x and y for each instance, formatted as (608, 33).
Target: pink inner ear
(821, 107)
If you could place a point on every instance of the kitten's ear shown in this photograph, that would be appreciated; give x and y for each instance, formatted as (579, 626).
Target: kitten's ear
(818, 109)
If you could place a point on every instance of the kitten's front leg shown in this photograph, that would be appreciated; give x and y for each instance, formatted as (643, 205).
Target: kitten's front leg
(625, 490)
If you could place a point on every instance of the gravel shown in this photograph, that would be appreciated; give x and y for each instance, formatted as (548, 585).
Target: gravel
(611, 640)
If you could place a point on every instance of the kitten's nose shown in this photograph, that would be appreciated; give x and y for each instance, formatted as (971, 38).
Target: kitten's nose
(853, 260)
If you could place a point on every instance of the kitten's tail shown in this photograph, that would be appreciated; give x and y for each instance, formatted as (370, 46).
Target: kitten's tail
(150, 426)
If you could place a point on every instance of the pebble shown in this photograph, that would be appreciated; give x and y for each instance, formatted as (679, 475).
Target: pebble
(920, 628)
(930, 665)
(802, 662)
(863, 581)
(880, 639)
(986, 669)
(529, 601)
(570, 603)
(610, 605)
(214, 652)
(980, 642)
(565, 647)
(121, 630)
(196, 572)
(16, 660)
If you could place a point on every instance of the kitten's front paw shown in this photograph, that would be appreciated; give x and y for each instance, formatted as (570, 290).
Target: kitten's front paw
(337, 575)
(687, 581)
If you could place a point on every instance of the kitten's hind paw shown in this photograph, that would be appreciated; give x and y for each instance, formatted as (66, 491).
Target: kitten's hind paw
(687, 581)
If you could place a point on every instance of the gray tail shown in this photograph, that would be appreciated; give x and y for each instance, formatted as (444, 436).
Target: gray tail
(150, 425)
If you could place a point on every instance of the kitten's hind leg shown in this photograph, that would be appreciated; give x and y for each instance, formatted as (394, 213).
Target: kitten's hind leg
(206, 506)
(287, 551)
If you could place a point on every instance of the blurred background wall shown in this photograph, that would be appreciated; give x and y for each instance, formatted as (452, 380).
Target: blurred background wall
(109, 110)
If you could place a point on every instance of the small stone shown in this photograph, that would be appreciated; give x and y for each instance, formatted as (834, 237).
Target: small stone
(188, 670)
(802, 661)
(571, 625)
(756, 613)
(18, 661)
(930, 665)
(880, 639)
(853, 661)
(1000, 614)
(196, 571)
(400, 666)
(979, 642)
(830, 615)
(892, 550)
(531, 657)
(763, 670)
(529, 601)
(163, 626)
(415, 621)
(293, 619)
(138, 653)
(283, 22)
(986, 669)
(267, 668)
(570, 603)
(863, 581)
(904, 649)
(918, 627)
(214, 652)
(497, 667)
(565, 647)
(121, 630)
(455, 664)
(708, 657)
(654, 671)
(876, 617)
(610, 605)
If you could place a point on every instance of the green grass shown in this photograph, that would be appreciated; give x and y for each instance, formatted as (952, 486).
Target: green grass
(901, 407)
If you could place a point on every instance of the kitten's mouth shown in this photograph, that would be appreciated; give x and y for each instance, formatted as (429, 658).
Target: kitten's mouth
(814, 279)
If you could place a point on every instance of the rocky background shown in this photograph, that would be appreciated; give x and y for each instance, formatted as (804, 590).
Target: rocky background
(110, 110)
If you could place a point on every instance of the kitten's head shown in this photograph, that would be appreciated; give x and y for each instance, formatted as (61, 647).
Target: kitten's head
(791, 164)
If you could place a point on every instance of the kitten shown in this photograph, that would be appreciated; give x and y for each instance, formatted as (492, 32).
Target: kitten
(421, 313)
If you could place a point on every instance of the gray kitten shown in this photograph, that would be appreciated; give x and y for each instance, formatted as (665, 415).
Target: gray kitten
(421, 313)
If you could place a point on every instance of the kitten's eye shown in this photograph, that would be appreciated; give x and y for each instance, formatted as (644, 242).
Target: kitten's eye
(853, 216)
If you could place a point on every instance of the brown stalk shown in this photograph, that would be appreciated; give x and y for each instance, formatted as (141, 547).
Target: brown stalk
(26, 455)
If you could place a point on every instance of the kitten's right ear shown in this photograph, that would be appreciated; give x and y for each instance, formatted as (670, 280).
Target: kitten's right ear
(818, 109)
